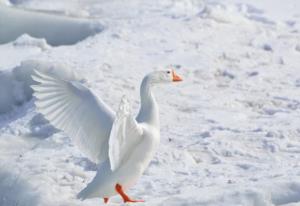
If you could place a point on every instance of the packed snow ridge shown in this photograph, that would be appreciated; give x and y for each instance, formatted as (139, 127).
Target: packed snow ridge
(56, 29)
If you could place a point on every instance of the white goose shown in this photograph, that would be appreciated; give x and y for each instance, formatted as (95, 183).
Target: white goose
(124, 145)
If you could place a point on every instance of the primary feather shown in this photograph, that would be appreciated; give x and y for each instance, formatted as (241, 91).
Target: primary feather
(74, 109)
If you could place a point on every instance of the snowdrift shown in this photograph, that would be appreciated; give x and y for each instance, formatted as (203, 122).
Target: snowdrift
(57, 30)
(15, 85)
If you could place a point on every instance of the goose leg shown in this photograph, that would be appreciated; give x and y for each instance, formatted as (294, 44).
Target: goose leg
(105, 200)
(125, 197)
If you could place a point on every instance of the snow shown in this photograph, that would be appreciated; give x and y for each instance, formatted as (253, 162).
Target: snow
(20, 189)
(230, 131)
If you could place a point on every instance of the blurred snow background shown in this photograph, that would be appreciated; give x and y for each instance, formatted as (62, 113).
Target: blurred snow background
(230, 132)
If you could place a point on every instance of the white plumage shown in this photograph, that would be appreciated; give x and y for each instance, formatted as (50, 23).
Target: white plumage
(124, 126)
(124, 145)
(72, 108)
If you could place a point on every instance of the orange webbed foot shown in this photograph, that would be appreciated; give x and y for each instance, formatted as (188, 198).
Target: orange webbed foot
(105, 200)
(125, 197)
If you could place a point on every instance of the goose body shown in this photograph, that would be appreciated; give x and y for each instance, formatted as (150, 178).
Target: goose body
(103, 184)
(122, 145)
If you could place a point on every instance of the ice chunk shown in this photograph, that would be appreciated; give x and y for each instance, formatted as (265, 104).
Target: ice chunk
(57, 30)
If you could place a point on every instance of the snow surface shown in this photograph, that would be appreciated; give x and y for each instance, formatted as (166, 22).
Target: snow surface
(230, 132)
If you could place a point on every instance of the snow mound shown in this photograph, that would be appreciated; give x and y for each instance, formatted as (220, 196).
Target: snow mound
(27, 41)
(15, 85)
(15, 191)
(57, 30)
(224, 14)
(286, 193)
(183, 8)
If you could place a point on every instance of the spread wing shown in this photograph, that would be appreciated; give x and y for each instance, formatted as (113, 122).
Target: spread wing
(73, 108)
(125, 134)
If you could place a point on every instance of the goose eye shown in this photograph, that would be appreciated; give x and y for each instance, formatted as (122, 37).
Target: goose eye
(168, 72)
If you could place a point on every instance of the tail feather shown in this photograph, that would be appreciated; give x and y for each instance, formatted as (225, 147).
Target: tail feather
(83, 194)
(96, 186)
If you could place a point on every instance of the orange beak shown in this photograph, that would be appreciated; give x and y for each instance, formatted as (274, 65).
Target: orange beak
(176, 78)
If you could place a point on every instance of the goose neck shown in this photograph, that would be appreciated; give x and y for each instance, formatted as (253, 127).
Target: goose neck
(149, 109)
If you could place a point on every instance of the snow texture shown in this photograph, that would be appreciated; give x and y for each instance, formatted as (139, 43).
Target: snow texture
(15, 191)
(229, 132)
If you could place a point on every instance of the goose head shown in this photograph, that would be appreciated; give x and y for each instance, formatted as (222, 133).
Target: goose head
(164, 76)
(149, 109)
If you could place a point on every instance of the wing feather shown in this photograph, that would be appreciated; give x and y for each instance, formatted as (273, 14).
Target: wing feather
(126, 133)
(73, 108)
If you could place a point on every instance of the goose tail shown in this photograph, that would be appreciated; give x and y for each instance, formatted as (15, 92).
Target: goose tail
(84, 194)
